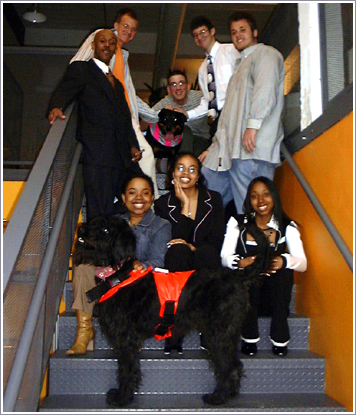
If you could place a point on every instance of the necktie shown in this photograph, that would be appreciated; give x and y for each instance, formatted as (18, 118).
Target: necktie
(119, 71)
(212, 90)
(111, 79)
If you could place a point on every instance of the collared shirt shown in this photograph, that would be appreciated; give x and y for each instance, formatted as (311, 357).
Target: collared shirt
(295, 258)
(86, 52)
(103, 66)
(198, 127)
(224, 57)
(254, 99)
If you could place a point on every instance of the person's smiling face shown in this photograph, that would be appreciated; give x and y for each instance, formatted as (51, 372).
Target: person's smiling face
(126, 29)
(186, 171)
(104, 45)
(138, 197)
(261, 200)
(204, 38)
(241, 35)
(178, 87)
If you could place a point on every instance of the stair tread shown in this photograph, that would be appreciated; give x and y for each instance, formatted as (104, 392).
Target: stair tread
(148, 356)
(293, 318)
(251, 402)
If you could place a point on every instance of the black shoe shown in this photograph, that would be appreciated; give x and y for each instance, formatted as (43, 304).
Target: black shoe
(280, 350)
(169, 345)
(249, 349)
(203, 344)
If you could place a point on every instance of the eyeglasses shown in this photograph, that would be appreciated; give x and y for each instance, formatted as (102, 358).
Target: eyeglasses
(190, 170)
(202, 32)
(175, 84)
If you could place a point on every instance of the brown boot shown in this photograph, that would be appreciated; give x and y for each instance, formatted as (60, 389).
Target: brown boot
(85, 334)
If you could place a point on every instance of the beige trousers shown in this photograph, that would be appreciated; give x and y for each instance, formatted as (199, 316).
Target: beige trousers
(83, 281)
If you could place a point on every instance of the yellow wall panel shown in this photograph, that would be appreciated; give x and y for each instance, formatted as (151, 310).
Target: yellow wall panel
(327, 163)
(11, 194)
(324, 293)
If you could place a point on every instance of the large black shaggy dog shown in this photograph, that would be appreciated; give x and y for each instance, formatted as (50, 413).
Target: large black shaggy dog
(211, 302)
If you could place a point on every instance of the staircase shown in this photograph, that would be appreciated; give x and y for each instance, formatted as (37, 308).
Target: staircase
(293, 383)
(176, 382)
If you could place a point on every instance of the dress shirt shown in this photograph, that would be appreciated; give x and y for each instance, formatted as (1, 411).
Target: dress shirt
(102, 65)
(254, 99)
(224, 57)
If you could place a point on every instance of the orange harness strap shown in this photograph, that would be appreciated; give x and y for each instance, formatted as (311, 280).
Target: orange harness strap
(169, 287)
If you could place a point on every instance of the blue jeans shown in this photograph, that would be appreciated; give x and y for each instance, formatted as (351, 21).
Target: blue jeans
(233, 183)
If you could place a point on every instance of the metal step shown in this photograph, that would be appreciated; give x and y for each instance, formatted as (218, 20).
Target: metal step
(299, 331)
(95, 373)
(278, 402)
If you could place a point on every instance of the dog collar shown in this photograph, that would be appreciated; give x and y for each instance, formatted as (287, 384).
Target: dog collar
(104, 272)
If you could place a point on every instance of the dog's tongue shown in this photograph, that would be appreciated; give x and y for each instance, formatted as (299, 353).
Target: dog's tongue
(169, 136)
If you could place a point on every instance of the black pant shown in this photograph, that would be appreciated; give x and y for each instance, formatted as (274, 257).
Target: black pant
(101, 185)
(271, 299)
(179, 257)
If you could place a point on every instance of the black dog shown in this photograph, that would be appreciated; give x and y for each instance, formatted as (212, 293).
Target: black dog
(213, 302)
(170, 124)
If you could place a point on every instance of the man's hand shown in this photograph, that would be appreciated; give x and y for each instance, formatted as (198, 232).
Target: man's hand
(55, 113)
(170, 107)
(202, 156)
(248, 140)
(136, 154)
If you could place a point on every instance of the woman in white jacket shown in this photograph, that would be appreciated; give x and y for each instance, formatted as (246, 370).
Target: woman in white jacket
(263, 209)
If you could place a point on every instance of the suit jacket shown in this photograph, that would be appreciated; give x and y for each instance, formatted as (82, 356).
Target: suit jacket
(104, 119)
(208, 228)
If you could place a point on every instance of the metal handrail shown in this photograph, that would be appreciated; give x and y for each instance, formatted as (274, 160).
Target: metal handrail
(23, 349)
(334, 233)
(20, 228)
(21, 218)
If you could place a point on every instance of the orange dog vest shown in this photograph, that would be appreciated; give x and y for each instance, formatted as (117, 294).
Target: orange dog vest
(169, 287)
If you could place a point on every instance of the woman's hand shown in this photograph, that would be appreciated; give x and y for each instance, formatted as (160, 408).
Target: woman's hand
(245, 262)
(181, 241)
(180, 194)
(276, 265)
(137, 266)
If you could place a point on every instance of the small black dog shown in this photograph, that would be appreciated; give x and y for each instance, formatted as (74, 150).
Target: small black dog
(213, 302)
(170, 124)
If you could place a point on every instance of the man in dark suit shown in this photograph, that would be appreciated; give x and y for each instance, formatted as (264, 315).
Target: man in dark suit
(110, 147)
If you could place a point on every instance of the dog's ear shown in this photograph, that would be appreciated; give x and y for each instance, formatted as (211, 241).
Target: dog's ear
(124, 246)
(182, 117)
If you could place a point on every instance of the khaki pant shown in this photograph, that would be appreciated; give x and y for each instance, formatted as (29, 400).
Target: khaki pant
(83, 281)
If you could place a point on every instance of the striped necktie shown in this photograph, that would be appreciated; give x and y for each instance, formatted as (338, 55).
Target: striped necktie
(119, 71)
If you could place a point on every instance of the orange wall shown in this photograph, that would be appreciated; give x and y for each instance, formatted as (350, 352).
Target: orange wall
(11, 194)
(324, 292)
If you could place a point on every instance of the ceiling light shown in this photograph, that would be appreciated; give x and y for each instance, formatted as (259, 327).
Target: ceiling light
(34, 17)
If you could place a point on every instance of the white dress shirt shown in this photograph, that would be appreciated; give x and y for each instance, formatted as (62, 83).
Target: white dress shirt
(224, 57)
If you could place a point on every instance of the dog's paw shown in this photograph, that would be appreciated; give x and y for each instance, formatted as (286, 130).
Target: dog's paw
(214, 398)
(115, 399)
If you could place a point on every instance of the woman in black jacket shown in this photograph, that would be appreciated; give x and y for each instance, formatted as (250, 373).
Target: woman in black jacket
(197, 218)
(196, 215)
